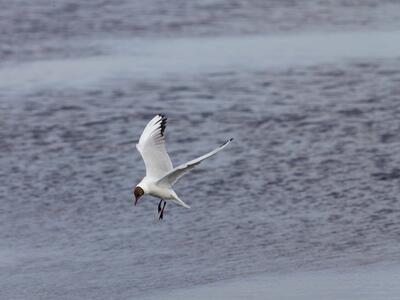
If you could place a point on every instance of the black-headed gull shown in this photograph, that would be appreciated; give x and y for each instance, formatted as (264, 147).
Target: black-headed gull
(160, 175)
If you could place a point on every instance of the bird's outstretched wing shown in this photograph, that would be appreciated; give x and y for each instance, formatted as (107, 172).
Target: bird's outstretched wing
(171, 177)
(152, 148)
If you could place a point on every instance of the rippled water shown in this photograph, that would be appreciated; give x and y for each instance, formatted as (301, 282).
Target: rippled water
(310, 182)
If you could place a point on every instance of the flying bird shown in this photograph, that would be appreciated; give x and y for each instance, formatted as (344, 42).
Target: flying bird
(160, 175)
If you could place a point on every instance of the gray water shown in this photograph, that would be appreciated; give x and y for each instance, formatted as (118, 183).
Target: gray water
(311, 181)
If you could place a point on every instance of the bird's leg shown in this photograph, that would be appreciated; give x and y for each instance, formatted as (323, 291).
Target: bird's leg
(159, 205)
(162, 211)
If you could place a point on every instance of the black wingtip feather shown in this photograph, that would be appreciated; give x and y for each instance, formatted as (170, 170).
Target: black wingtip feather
(230, 140)
(163, 123)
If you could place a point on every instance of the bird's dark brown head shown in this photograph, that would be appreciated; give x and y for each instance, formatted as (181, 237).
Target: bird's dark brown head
(138, 192)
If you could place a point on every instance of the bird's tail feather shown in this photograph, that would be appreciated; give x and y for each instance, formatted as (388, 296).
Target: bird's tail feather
(180, 202)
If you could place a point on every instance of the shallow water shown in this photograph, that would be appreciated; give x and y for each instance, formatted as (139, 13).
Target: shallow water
(159, 59)
(372, 282)
(39, 29)
(310, 183)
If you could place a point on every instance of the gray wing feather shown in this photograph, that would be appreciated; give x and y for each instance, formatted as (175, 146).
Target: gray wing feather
(173, 176)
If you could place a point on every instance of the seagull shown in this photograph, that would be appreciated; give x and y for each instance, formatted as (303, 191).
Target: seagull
(160, 175)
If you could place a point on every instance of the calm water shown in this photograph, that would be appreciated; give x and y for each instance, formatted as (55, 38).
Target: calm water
(310, 182)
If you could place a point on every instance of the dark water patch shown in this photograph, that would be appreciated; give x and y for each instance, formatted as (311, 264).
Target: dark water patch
(389, 72)
(392, 175)
(204, 96)
(331, 73)
(351, 112)
(389, 138)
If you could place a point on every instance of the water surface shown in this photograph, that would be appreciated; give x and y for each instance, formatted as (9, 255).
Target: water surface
(310, 182)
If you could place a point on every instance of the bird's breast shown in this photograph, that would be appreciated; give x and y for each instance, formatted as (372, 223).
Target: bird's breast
(160, 192)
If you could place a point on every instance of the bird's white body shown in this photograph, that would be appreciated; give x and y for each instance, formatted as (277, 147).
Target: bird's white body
(150, 186)
(160, 174)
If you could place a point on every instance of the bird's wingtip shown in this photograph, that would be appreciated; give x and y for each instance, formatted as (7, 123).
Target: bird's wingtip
(163, 122)
(227, 142)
